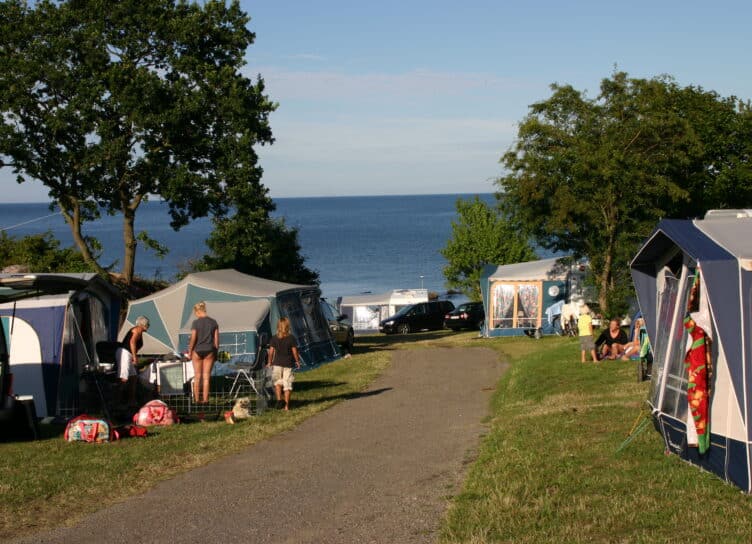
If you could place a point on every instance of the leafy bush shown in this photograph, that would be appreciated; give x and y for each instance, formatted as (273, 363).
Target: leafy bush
(40, 253)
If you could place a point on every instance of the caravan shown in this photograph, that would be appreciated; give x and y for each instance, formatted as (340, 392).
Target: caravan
(529, 298)
(366, 311)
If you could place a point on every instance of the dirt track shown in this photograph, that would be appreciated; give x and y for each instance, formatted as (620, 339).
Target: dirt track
(377, 468)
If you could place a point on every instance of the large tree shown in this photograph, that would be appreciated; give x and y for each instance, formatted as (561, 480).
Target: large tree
(591, 176)
(480, 236)
(108, 102)
(256, 244)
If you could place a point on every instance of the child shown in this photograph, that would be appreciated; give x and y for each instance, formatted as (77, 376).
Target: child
(585, 327)
(283, 354)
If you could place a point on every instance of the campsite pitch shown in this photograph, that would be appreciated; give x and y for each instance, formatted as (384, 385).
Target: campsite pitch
(378, 467)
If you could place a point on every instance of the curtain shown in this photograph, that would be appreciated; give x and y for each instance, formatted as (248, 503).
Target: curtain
(527, 306)
(503, 305)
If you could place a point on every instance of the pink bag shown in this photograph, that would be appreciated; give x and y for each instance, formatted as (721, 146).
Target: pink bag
(88, 429)
(155, 412)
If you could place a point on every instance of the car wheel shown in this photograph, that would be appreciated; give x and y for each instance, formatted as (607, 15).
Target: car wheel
(350, 340)
(403, 328)
(455, 329)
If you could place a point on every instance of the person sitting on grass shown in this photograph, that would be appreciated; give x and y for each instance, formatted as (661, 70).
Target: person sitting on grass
(632, 348)
(283, 353)
(612, 341)
(585, 326)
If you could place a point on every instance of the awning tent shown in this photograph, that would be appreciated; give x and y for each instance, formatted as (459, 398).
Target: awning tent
(241, 323)
(227, 294)
(719, 250)
(53, 337)
(519, 298)
(366, 311)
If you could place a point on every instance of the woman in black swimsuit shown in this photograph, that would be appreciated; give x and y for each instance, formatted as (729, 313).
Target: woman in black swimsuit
(202, 349)
(127, 357)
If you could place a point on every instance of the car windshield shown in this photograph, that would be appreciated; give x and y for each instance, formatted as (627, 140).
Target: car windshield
(465, 307)
(402, 311)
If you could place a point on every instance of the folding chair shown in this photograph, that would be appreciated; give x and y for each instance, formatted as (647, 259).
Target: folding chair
(245, 372)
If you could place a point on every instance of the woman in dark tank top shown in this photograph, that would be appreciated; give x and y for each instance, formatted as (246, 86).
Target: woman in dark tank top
(202, 349)
(127, 357)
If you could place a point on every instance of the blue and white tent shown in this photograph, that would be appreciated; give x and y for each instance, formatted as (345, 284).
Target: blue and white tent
(244, 306)
(53, 336)
(663, 271)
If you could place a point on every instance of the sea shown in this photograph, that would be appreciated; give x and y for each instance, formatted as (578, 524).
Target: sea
(357, 244)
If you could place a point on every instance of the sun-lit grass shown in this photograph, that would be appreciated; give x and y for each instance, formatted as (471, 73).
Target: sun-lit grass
(549, 471)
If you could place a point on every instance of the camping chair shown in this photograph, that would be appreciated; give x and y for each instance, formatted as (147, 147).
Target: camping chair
(245, 372)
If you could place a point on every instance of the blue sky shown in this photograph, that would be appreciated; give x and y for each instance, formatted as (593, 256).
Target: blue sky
(415, 97)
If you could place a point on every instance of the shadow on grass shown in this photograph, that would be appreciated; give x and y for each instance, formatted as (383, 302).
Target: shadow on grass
(344, 396)
(307, 385)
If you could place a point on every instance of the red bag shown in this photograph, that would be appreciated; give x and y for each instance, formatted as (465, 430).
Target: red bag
(89, 429)
(155, 412)
(132, 431)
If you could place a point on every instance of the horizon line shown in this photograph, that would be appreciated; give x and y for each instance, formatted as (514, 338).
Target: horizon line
(308, 196)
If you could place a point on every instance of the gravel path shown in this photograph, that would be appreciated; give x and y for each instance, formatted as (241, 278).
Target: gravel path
(376, 468)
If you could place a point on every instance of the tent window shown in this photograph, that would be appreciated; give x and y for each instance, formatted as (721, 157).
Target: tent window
(516, 305)
(675, 395)
(237, 345)
(315, 320)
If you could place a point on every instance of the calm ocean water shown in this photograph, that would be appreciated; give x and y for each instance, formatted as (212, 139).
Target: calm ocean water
(357, 244)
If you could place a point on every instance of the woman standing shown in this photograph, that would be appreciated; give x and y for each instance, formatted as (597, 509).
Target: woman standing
(202, 349)
(283, 353)
(127, 357)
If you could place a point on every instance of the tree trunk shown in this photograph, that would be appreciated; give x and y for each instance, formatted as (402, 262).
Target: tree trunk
(71, 211)
(129, 240)
(606, 277)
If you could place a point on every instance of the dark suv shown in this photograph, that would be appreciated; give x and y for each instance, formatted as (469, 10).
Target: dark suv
(468, 315)
(417, 317)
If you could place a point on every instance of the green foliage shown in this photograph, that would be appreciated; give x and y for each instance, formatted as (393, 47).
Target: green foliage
(592, 177)
(253, 243)
(40, 253)
(480, 236)
(107, 103)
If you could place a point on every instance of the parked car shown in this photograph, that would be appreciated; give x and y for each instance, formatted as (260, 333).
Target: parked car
(468, 315)
(417, 317)
(340, 325)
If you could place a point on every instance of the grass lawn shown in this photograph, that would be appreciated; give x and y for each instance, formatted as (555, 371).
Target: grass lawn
(548, 469)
